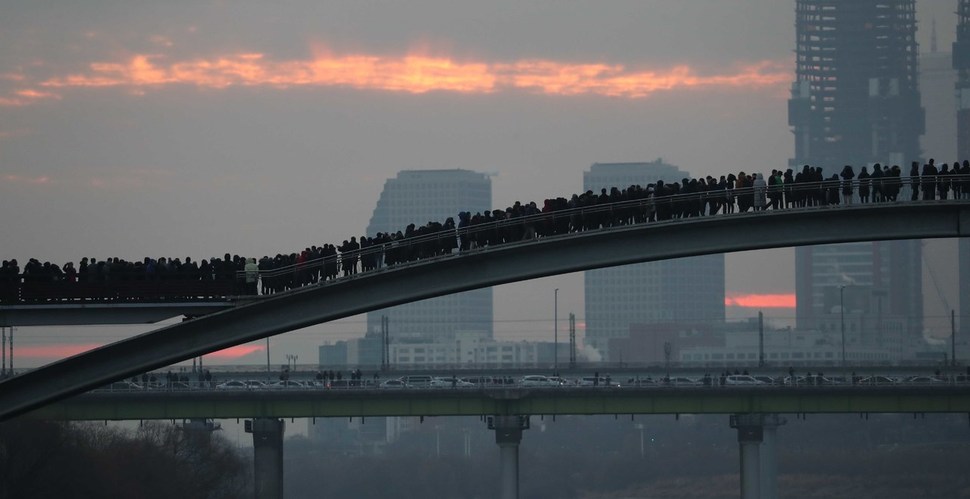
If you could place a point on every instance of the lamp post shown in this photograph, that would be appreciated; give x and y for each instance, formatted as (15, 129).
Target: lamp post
(639, 426)
(842, 315)
(555, 333)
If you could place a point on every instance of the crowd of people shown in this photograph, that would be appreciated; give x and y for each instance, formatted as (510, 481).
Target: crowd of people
(115, 279)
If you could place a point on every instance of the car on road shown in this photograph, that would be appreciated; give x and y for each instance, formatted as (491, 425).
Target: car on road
(287, 384)
(393, 384)
(450, 382)
(417, 380)
(537, 381)
(641, 381)
(768, 380)
(680, 381)
(233, 384)
(876, 380)
(594, 381)
(742, 379)
(924, 380)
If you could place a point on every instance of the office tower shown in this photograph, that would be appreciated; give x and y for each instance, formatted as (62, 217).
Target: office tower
(418, 197)
(884, 278)
(686, 289)
(964, 258)
(961, 63)
(856, 100)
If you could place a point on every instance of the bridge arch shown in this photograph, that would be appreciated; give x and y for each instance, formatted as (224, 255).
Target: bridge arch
(504, 264)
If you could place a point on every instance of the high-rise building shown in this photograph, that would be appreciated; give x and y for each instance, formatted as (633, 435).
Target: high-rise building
(686, 289)
(418, 197)
(964, 259)
(961, 63)
(856, 100)
(888, 274)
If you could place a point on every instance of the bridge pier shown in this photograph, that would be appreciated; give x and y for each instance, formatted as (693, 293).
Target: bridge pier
(769, 455)
(757, 441)
(508, 434)
(267, 456)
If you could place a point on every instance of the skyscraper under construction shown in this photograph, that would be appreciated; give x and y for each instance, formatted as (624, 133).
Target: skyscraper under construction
(961, 63)
(855, 99)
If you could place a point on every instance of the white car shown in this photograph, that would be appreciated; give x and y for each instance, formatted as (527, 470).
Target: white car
(742, 379)
(233, 385)
(450, 382)
(594, 381)
(393, 384)
(536, 380)
(286, 385)
(679, 381)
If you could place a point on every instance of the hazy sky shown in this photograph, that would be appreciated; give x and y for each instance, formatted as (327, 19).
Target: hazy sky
(194, 128)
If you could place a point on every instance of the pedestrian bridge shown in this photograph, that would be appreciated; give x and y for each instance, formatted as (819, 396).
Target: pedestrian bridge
(479, 268)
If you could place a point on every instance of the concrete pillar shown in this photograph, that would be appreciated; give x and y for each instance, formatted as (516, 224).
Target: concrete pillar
(267, 456)
(769, 459)
(508, 434)
(750, 432)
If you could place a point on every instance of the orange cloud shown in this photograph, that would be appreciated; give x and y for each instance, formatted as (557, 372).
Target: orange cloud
(761, 301)
(415, 74)
(20, 179)
(26, 96)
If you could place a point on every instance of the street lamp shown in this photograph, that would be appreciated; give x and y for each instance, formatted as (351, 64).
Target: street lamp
(639, 426)
(842, 314)
(555, 333)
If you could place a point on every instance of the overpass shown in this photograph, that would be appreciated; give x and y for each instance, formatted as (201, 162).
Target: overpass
(517, 401)
(477, 268)
(755, 412)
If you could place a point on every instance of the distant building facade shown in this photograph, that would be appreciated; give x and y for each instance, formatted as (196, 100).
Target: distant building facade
(685, 289)
(463, 350)
(856, 100)
(961, 63)
(963, 251)
(830, 276)
(418, 197)
(737, 345)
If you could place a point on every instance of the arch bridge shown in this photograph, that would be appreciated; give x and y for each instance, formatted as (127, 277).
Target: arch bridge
(478, 268)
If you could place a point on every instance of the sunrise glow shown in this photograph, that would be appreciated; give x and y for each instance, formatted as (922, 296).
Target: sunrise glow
(235, 352)
(761, 301)
(415, 74)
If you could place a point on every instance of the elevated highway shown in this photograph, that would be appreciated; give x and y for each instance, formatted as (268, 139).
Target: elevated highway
(512, 262)
(561, 401)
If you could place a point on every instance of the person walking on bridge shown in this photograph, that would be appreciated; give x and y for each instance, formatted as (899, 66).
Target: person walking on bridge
(252, 276)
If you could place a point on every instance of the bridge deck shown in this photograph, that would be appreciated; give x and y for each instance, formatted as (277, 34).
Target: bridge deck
(515, 401)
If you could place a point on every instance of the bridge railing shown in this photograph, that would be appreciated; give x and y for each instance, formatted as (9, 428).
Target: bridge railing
(642, 206)
(646, 207)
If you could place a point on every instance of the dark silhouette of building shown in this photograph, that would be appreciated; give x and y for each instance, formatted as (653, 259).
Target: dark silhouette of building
(856, 100)
(856, 96)
(418, 197)
(961, 63)
(684, 289)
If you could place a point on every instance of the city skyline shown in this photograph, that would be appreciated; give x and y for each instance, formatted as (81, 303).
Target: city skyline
(135, 129)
